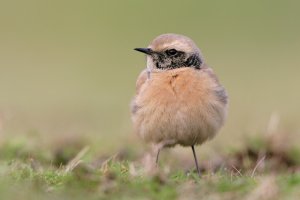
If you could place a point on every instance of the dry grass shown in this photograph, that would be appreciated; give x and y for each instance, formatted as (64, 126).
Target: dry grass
(253, 172)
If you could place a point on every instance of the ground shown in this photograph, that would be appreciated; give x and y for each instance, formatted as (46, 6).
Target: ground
(73, 171)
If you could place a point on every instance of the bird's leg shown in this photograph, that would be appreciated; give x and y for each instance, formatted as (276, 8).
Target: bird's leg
(156, 150)
(157, 155)
(196, 161)
(161, 145)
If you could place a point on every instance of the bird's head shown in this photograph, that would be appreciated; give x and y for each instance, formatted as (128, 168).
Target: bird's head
(171, 51)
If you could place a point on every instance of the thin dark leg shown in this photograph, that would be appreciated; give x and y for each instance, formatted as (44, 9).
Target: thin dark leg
(157, 155)
(196, 161)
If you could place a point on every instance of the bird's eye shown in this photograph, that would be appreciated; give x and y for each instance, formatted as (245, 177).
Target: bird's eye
(171, 52)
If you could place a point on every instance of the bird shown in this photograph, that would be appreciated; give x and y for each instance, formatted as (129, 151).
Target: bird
(179, 99)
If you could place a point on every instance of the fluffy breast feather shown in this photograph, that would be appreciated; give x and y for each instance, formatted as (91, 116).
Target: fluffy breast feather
(185, 105)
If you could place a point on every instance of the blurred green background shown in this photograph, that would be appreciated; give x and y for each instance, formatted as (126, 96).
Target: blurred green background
(68, 67)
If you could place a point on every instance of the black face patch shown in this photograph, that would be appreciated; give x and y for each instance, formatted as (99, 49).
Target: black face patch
(194, 60)
(172, 59)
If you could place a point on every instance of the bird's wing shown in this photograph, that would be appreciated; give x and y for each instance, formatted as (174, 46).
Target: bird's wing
(141, 80)
(219, 89)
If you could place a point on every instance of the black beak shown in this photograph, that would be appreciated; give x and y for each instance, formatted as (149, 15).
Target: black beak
(147, 51)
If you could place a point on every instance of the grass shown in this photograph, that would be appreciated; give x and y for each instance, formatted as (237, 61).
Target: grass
(33, 174)
(116, 182)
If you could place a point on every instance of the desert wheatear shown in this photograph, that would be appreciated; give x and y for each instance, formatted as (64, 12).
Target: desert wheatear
(179, 99)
